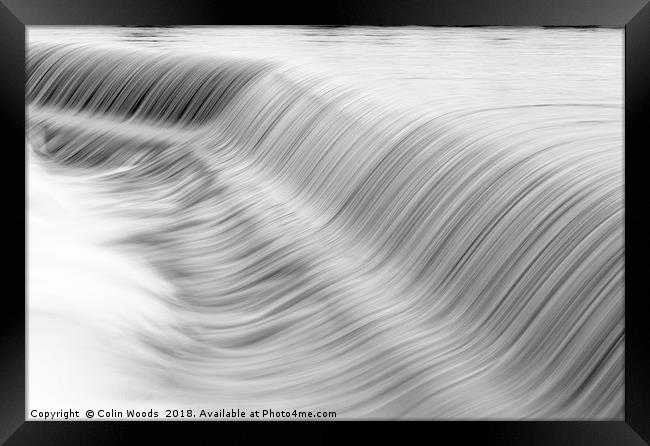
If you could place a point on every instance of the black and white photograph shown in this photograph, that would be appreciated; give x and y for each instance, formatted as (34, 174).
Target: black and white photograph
(325, 223)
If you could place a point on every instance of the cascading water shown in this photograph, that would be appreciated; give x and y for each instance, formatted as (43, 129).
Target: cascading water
(280, 238)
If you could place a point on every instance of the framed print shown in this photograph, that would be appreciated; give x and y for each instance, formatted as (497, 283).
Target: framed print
(371, 211)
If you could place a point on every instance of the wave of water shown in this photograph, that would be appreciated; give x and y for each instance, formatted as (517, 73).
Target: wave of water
(315, 247)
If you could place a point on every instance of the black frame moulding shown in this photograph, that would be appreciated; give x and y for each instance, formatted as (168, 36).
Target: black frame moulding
(633, 15)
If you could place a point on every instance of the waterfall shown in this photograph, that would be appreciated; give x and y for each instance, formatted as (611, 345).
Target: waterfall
(322, 248)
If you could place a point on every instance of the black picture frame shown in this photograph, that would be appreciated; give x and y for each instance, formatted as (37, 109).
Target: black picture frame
(633, 15)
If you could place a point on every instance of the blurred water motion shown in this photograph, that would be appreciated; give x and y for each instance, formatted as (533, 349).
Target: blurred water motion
(384, 222)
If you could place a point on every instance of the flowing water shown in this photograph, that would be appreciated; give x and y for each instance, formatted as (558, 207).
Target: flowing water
(384, 222)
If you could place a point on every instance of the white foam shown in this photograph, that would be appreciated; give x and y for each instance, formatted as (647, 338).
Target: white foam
(85, 298)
